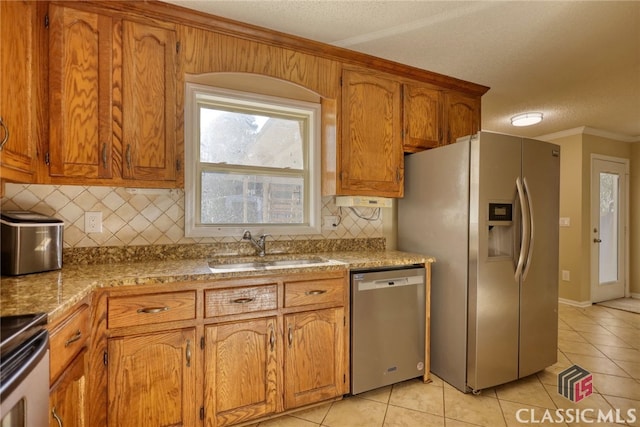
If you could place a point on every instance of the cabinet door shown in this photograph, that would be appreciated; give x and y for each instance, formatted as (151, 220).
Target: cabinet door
(152, 380)
(462, 116)
(18, 90)
(80, 66)
(67, 396)
(371, 150)
(149, 102)
(240, 371)
(421, 118)
(314, 357)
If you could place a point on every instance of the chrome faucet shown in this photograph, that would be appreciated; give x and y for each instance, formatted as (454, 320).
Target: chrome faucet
(260, 244)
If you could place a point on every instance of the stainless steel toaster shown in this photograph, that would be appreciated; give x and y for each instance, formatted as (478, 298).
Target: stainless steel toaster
(30, 242)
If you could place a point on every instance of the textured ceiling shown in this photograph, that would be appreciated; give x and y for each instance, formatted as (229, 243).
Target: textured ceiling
(578, 62)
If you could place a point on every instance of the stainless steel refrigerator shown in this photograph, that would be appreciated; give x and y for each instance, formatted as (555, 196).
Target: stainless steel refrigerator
(487, 208)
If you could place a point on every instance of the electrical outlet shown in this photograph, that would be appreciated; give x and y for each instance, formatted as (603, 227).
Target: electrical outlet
(93, 222)
(566, 276)
(330, 222)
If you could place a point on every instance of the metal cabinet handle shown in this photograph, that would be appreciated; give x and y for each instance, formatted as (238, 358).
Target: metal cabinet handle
(272, 340)
(316, 292)
(242, 300)
(152, 310)
(73, 339)
(56, 417)
(6, 134)
(128, 156)
(104, 155)
(290, 336)
(188, 353)
(597, 241)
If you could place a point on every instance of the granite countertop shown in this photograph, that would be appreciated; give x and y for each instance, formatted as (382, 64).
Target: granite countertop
(55, 291)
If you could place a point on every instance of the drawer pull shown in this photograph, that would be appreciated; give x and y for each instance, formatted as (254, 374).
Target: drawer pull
(188, 353)
(56, 417)
(316, 292)
(290, 336)
(151, 310)
(272, 339)
(73, 339)
(242, 300)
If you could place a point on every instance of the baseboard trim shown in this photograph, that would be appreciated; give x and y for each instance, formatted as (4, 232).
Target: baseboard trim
(580, 304)
(634, 295)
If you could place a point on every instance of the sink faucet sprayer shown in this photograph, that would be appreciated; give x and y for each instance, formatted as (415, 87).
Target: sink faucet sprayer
(260, 244)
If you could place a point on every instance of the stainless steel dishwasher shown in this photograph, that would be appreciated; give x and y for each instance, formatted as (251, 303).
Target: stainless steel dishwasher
(387, 326)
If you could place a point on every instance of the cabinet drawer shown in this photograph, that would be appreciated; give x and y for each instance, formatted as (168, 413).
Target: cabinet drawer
(314, 292)
(67, 340)
(154, 308)
(222, 302)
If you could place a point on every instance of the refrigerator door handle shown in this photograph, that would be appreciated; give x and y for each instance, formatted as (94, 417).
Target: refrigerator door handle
(527, 263)
(524, 210)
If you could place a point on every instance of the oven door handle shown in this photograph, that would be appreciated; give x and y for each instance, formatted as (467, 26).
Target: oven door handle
(24, 360)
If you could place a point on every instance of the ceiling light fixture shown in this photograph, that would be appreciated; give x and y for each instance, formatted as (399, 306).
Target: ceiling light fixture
(526, 119)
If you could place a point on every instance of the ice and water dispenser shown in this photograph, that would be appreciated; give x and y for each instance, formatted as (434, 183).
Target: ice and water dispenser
(501, 229)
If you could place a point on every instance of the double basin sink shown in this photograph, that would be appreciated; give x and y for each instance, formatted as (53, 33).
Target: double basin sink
(231, 264)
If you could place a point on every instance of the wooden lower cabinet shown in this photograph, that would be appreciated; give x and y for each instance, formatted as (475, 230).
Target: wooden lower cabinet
(241, 371)
(152, 379)
(68, 338)
(67, 396)
(218, 353)
(314, 357)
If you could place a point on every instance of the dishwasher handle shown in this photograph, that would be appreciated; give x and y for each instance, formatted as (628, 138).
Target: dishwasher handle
(391, 282)
(367, 285)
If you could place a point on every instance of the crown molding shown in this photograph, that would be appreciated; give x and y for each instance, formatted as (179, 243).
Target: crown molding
(586, 130)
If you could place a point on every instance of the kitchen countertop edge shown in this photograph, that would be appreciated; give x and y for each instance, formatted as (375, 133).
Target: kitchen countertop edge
(54, 292)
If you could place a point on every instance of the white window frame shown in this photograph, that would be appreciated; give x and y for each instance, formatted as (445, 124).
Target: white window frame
(193, 228)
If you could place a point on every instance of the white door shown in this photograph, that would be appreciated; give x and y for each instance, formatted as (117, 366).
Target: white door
(608, 228)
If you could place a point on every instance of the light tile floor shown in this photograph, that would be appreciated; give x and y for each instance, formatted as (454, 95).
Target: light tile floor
(604, 341)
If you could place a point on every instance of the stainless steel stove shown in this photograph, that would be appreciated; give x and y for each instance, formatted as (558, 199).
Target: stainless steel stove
(24, 371)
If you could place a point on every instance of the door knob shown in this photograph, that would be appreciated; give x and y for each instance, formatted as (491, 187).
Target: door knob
(597, 241)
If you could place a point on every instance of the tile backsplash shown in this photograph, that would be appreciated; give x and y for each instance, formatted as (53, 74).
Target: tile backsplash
(136, 217)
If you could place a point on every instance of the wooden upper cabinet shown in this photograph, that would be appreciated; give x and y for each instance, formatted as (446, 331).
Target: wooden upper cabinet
(461, 116)
(80, 86)
(112, 99)
(149, 102)
(371, 156)
(19, 90)
(422, 117)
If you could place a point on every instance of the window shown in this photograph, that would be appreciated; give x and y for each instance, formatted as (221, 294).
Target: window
(249, 163)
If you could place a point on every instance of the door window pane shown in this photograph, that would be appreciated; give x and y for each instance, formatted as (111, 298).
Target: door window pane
(609, 214)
